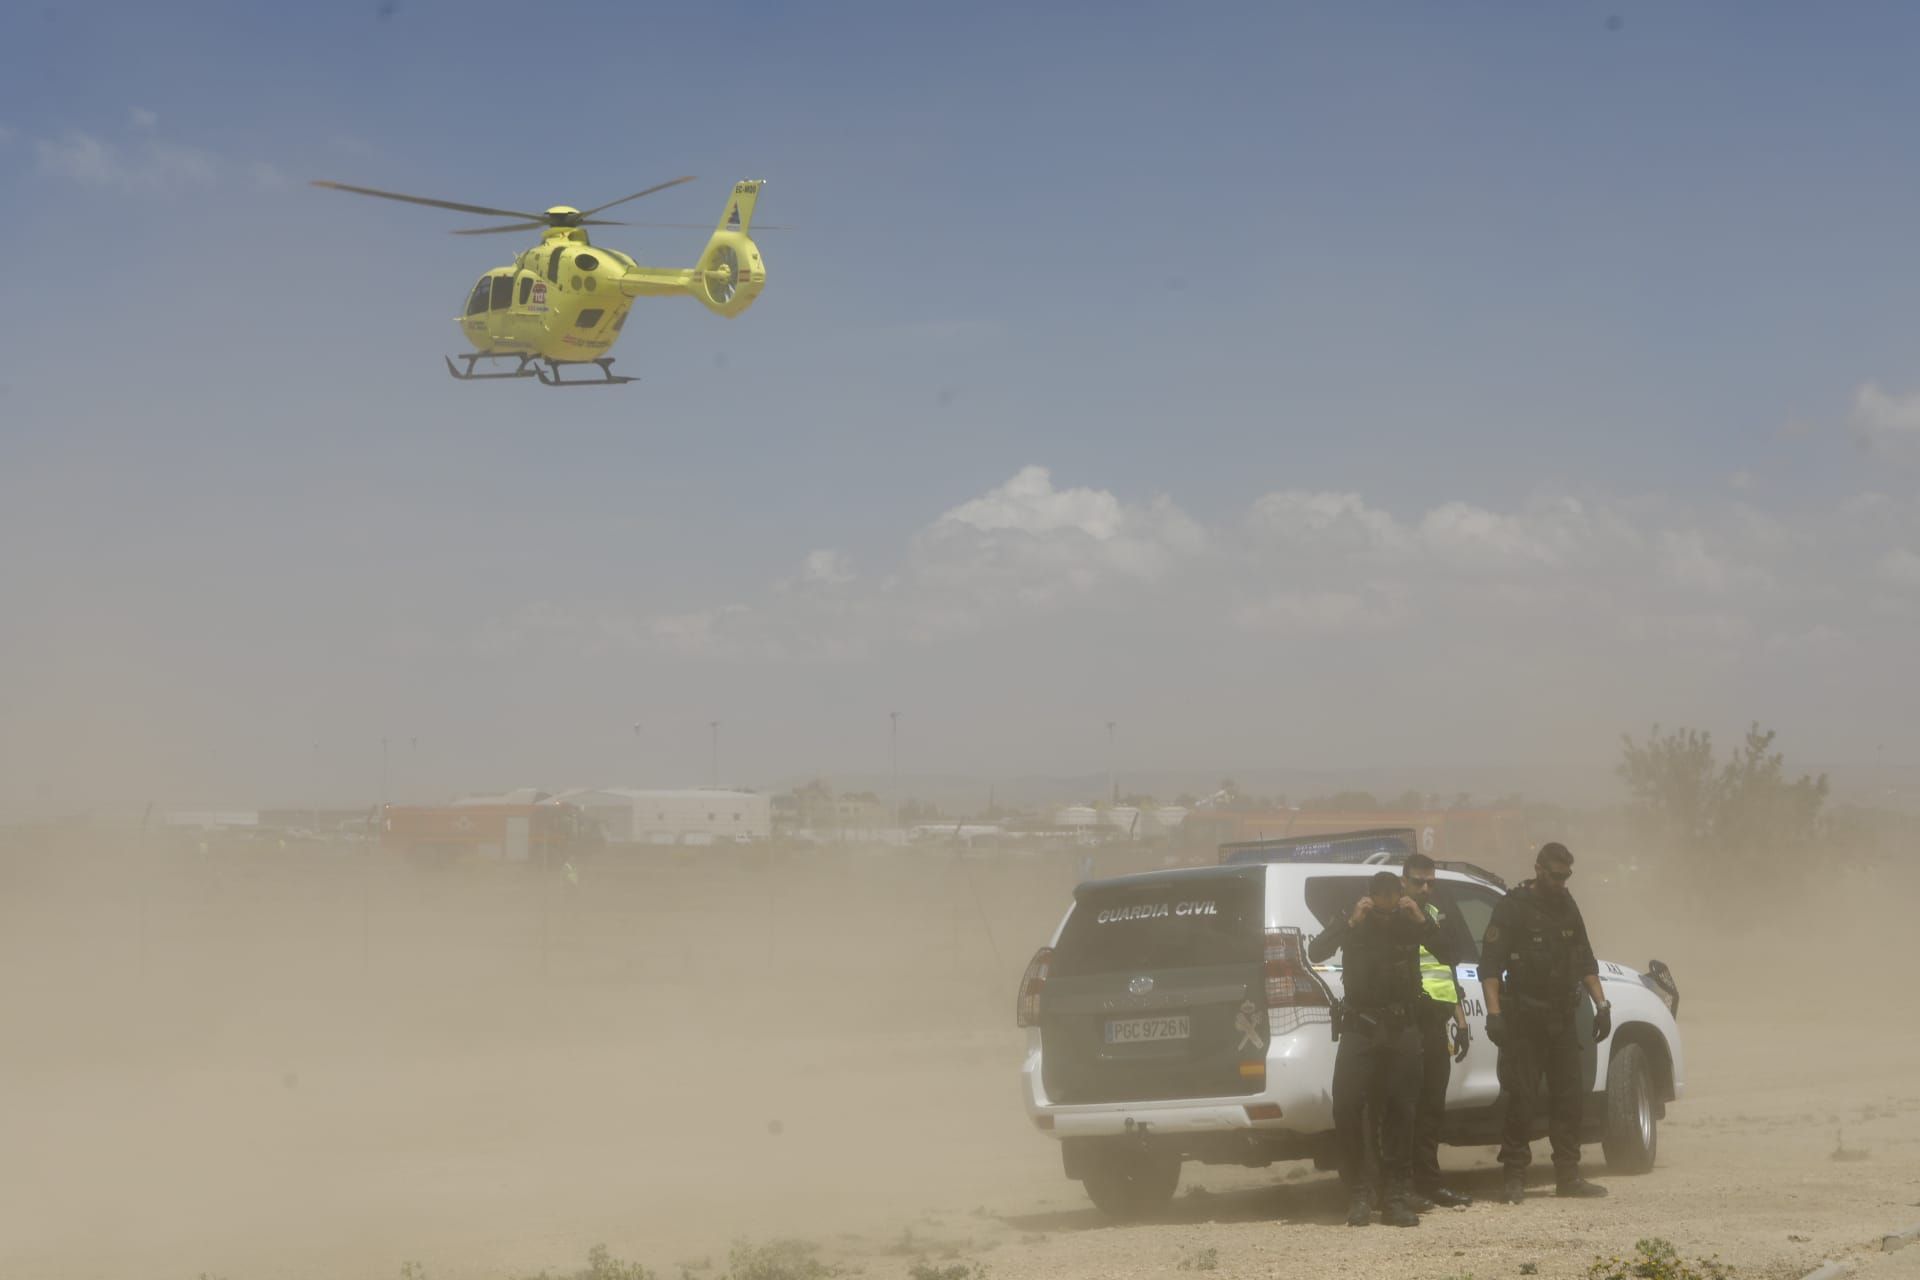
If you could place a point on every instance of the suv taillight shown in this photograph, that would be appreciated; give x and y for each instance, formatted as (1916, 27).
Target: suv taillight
(1027, 1014)
(1290, 983)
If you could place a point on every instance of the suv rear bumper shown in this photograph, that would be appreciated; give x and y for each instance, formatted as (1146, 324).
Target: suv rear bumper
(1299, 1066)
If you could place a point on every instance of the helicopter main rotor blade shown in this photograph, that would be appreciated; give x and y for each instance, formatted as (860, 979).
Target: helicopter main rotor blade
(588, 213)
(678, 226)
(511, 226)
(540, 219)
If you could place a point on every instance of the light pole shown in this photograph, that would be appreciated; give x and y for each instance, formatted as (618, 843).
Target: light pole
(639, 776)
(893, 750)
(1113, 783)
(383, 775)
(713, 777)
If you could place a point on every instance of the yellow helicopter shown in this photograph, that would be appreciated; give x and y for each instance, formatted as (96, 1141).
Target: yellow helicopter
(564, 301)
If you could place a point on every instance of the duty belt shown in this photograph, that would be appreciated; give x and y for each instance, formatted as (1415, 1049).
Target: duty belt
(1380, 1010)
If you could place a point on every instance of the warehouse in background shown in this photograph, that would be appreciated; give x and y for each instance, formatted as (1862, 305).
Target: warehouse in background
(693, 816)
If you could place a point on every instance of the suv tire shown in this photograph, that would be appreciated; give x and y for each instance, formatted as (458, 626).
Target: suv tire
(1633, 1131)
(1132, 1182)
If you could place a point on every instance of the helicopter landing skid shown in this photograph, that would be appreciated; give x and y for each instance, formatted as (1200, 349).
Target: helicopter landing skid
(550, 375)
(470, 374)
(532, 366)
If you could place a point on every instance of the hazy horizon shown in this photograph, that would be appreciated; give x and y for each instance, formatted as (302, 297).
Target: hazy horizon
(1387, 392)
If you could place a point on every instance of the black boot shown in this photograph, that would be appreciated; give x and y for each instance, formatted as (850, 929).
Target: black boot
(1448, 1199)
(1573, 1186)
(1360, 1209)
(1513, 1189)
(1399, 1213)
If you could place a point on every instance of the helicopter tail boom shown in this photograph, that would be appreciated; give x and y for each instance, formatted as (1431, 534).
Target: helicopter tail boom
(730, 273)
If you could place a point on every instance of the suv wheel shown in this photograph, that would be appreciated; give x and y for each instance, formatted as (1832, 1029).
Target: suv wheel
(1633, 1133)
(1132, 1182)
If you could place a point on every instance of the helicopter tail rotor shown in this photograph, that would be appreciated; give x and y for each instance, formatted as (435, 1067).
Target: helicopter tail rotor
(731, 273)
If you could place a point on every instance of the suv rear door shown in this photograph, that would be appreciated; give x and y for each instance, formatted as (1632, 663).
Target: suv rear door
(1152, 988)
(1465, 908)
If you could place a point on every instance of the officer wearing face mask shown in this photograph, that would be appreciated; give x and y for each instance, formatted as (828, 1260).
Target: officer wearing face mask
(1535, 958)
(1376, 1069)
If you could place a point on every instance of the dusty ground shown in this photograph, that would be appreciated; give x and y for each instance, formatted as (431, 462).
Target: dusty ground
(304, 1069)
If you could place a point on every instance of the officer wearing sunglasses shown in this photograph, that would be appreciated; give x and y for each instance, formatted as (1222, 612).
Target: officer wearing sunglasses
(1535, 958)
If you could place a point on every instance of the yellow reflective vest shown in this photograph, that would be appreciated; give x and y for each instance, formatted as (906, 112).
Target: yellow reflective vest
(1436, 979)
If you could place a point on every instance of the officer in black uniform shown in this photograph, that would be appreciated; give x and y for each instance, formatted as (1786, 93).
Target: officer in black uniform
(1534, 959)
(1444, 1040)
(1377, 1067)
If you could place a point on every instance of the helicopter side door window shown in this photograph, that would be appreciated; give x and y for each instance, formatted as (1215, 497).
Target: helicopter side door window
(483, 291)
(502, 292)
(553, 265)
(526, 288)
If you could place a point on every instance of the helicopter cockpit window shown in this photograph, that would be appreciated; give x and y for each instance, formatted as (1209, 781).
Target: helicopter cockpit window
(589, 318)
(481, 293)
(526, 289)
(502, 292)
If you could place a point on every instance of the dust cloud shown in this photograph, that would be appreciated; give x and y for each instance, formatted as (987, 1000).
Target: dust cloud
(319, 1062)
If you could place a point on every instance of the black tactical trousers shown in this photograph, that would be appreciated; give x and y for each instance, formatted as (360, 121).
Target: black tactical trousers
(1541, 1044)
(1436, 1069)
(1376, 1074)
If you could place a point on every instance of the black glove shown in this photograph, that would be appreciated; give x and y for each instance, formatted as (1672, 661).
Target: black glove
(1497, 1029)
(1462, 1040)
(1602, 1022)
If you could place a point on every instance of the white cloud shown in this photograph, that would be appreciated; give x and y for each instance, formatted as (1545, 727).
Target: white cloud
(143, 120)
(150, 165)
(1884, 420)
(1900, 566)
(1338, 582)
(1030, 504)
(1028, 544)
(828, 567)
(1330, 522)
(1476, 539)
(1686, 562)
(1741, 481)
(79, 156)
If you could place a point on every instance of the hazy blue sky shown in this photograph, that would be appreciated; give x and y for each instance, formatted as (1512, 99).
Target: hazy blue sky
(1295, 384)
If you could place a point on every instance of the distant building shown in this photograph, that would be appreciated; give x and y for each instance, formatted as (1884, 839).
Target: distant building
(961, 833)
(861, 813)
(212, 819)
(693, 816)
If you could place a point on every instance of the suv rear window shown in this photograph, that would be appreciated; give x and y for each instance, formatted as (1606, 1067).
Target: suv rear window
(1172, 923)
(1331, 897)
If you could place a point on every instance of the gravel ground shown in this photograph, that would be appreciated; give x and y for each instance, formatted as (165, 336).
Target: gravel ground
(265, 1097)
